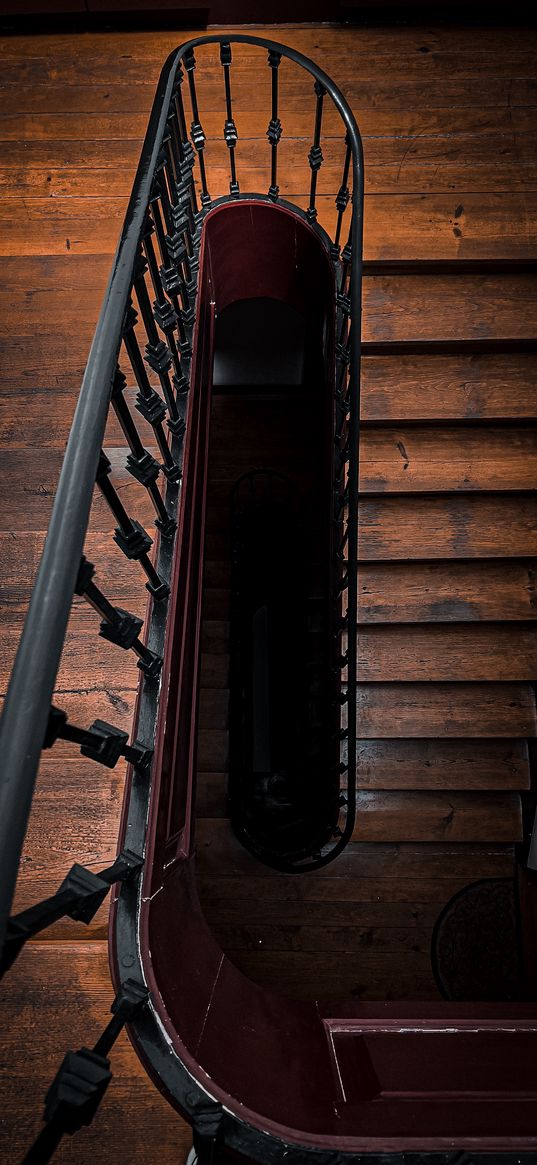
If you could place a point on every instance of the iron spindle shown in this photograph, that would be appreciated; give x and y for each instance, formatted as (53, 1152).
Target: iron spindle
(151, 406)
(186, 148)
(79, 897)
(175, 423)
(117, 626)
(315, 156)
(274, 131)
(83, 1077)
(342, 199)
(168, 317)
(140, 463)
(230, 129)
(101, 742)
(196, 130)
(175, 282)
(129, 535)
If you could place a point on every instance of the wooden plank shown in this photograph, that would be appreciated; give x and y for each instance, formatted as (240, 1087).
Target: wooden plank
(426, 308)
(447, 458)
(493, 651)
(451, 651)
(387, 711)
(446, 388)
(391, 764)
(445, 764)
(68, 987)
(396, 307)
(396, 226)
(303, 975)
(431, 710)
(218, 852)
(427, 816)
(398, 592)
(452, 527)
(34, 486)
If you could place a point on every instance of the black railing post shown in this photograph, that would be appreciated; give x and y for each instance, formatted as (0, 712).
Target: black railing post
(274, 131)
(230, 129)
(129, 535)
(83, 1077)
(315, 156)
(196, 130)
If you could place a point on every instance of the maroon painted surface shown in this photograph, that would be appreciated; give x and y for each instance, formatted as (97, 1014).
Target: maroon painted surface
(384, 1076)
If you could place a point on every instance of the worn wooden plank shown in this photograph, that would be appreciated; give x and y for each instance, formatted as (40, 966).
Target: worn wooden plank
(448, 458)
(447, 388)
(445, 764)
(58, 997)
(392, 710)
(451, 527)
(217, 850)
(439, 592)
(396, 226)
(436, 307)
(455, 651)
(427, 816)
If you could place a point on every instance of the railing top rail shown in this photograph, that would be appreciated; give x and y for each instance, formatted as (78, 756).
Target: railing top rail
(33, 677)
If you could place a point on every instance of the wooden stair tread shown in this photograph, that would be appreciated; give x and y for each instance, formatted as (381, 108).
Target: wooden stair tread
(448, 388)
(431, 710)
(447, 458)
(427, 816)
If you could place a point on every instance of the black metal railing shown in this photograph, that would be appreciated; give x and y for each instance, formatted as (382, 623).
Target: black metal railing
(143, 341)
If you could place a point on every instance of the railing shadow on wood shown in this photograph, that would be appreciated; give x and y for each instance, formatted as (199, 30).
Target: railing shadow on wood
(144, 337)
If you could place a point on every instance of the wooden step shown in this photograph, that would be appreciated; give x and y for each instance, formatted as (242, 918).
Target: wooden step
(423, 710)
(400, 592)
(417, 592)
(428, 458)
(425, 308)
(443, 764)
(448, 388)
(464, 766)
(447, 527)
(449, 816)
(445, 710)
(486, 651)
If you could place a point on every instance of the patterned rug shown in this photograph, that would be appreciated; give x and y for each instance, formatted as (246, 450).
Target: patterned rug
(475, 946)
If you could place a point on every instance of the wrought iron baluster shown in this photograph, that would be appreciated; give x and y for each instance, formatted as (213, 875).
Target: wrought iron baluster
(117, 626)
(176, 272)
(230, 129)
(83, 1077)
(274, 131)
(186, 150)
(101, 742)
(148, 402)
(79, 897)
(129, 535)
(168, 317)
(196, 131)
(342, 199)
(140, 462)
(315, 156)
(130, 339)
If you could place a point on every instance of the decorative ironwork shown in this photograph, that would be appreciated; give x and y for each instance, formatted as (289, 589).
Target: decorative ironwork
(230, 129)
(274, 131)
(83, 1077)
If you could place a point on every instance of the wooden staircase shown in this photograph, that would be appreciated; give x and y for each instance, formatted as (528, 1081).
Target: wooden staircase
(447, 644)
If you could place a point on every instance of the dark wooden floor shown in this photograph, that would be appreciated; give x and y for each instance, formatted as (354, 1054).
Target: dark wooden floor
(449, 529)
